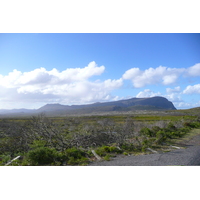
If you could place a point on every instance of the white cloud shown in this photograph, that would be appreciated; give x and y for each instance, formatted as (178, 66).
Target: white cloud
(147, 93)
(174, 97)
(152, 76)
(174, 94)
(195, 89)
(185, 105)
(68, 87)
(112, 84)
(182, 105)
(133, 72)
(159, 75)
(169, 79)
(175, 90)
(194, 70)
(42, 76)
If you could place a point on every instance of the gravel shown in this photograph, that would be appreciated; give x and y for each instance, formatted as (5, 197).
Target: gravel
(190, 156)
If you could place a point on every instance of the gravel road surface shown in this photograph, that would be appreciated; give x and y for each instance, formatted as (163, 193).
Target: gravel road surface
(189, 156)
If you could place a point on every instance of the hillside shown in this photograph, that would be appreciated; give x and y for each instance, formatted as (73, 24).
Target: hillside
(133, 104)
(153, 103)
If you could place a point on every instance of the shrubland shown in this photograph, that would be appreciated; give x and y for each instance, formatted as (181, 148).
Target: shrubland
(48, 141)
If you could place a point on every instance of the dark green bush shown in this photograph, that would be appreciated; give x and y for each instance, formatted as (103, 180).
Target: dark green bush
(148, 142)
(75, 153)
(154, 130)
(128, 147)
(161, 137)
(73, 156)
(101, 151)
(146, 132)
(185, 129)
(192, 124)
(107, 157)
(106, 148)
(42, 156)
(114, 149)
(77, 161)
(171, 127)
(4, 159)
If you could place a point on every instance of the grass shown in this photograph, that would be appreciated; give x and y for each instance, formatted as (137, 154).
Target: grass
(184, 140)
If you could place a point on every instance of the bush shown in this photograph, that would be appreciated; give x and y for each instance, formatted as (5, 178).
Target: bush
(101, 151)
(106, 148)
(79, 161)
(170, 127)
(160, 137)
(75, 153)
(73, 156)
(115, 150)
(42, 156)
(146, 132)
(148, 142)
(4, 159)
(154, 130)
(185, 129)
(107, 157)
(128, 147)
(192, 124)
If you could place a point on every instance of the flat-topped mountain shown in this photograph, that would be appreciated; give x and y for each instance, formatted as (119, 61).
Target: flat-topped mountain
(153, 103)
(133, 104)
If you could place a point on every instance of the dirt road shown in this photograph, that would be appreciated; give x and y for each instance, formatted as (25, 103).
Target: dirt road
(190, 156)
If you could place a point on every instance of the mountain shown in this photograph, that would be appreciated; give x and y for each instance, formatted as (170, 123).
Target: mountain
(153, 103)
(133, 104)
(22, 110)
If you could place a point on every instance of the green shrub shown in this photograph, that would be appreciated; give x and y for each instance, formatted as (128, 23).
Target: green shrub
(146, 132)
(170, 127)
(79, 161)
(128, 147)
(73, 156)
(114, 149)
(107, 157)
(101, 151)
(148, 142)
(42, 156)
(5, 159)
(154, 130)
(144, 148)
(75, 153)
(106, 148)
(160, 137)
(38, 143)
(192, 124)
(185, 129)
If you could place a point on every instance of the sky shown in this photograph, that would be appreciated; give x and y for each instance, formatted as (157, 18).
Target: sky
(82, 68)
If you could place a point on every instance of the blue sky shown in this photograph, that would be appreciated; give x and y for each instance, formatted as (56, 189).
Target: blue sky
(75, 68)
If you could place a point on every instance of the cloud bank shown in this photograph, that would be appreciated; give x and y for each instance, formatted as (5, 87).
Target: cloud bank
(35, 88)
(71, 86)
(160, 75)
(195, 89)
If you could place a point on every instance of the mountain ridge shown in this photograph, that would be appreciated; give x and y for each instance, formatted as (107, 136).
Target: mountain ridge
(149, 103)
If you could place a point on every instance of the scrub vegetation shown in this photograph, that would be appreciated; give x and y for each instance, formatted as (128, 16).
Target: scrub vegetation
(61, 141)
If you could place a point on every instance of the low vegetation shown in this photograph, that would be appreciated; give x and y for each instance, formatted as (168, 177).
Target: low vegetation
(60, 141)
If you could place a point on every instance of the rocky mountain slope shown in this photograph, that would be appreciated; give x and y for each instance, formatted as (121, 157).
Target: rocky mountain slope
(152, 103)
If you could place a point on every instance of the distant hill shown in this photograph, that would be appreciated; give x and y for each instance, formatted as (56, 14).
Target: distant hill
(133, 104)
(153, 103)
